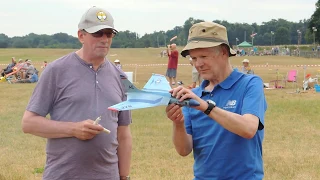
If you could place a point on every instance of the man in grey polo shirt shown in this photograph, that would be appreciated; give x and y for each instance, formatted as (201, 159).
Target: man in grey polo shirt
(75, 90)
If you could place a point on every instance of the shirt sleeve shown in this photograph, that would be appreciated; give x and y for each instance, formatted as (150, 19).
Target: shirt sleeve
(124, 117)
(187, 120)
(254, 101)
(174, 54)
(42, 98)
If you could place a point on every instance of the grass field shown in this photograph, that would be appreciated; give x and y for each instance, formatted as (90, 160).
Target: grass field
(292, 125)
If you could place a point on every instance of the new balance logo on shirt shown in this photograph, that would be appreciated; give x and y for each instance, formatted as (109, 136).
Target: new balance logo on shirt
(231, 104)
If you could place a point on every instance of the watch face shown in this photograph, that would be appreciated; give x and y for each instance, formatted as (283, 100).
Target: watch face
(211, 102)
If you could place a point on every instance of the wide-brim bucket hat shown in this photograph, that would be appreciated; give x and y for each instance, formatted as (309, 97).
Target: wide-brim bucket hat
(205, 35)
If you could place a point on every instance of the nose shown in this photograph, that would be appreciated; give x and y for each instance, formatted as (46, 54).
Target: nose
(105, 39)
(199, 63)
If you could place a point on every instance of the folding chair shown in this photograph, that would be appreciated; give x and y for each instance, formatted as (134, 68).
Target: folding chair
(292, 77)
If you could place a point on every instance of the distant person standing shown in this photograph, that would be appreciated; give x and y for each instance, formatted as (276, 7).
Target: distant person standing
(45, 63)
(117, 63)
(173, 55)
(246, 69)
(195, 76)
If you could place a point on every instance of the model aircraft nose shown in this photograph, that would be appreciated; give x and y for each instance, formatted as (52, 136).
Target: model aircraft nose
(112, 109)
(193, 102)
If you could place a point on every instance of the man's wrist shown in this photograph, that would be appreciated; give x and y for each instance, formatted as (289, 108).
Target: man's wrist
(179, 124)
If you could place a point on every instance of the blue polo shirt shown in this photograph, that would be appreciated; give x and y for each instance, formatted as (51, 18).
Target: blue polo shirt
(219, 153)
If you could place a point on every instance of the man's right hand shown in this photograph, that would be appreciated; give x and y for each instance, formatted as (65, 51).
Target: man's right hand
(174, 113)
(85, 130)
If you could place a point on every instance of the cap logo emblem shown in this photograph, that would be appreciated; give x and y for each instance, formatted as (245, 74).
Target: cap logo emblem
(101, 16)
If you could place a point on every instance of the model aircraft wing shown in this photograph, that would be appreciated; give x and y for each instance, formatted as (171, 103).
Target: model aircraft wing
(129, 87)
(140, 100)
(157, 82)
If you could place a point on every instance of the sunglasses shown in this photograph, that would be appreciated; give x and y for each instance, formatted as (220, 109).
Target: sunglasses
(98, 34)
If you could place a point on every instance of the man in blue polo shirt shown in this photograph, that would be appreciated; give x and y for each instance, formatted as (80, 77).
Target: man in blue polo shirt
(225, 131)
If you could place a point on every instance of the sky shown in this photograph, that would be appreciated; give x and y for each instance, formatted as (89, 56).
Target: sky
(21, 17)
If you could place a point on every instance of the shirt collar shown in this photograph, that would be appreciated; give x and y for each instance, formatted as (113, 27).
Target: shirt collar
(226, 84)
(89, 64)
(231, 79)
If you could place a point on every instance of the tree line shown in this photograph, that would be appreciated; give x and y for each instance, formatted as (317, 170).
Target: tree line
(273, 32)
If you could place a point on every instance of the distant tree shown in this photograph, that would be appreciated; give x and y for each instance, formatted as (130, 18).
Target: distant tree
(187, 25)
(4, 41)
(127, 39)
(308, 37)
(61, 37)
(282, 36)
(315, 21)
(21, 43)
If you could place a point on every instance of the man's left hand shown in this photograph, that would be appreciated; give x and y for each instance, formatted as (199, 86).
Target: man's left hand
(183, 93)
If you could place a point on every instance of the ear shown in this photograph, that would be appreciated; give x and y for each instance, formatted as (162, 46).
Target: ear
(81, 35)
(225, 50)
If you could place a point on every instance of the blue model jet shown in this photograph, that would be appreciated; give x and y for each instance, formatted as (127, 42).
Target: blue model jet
(154, 93)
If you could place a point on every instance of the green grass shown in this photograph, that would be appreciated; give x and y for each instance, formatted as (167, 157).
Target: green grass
(292, 126)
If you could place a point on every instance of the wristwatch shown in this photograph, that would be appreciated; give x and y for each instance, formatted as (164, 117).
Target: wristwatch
(124, 177)
(211, 105)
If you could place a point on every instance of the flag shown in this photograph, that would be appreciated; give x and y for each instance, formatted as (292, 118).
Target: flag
(252, 35)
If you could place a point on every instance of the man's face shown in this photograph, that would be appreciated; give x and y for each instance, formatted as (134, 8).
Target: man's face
(97, 44)
(245, 64)
(208, 61)
(173, 46)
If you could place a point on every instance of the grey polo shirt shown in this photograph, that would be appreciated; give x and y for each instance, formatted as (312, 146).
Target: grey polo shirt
(70, 90)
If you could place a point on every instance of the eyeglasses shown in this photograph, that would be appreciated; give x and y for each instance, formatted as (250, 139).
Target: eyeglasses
(98, 34)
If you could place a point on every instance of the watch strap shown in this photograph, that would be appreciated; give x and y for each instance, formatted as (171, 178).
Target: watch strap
(124, 177)
(210, 107)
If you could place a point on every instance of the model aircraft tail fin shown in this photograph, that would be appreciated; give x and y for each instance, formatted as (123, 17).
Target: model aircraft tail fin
(129, 87)
(157, 82)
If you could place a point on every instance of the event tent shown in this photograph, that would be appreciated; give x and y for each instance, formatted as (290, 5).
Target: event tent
(244, 44)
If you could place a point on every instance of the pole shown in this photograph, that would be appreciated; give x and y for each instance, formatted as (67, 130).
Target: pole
(245, 34)
(135, 73)
(158, 40)
(271, 37)
(314, 40)
(314, 37)
(304, 76)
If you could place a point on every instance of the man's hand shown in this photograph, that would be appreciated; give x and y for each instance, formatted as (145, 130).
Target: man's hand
(174, 113)
(85, 130)
(183, 93)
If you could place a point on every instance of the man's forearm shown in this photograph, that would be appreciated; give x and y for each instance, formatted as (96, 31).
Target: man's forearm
(124, 155)
(244, 126)
(40, 126)
(181, 140)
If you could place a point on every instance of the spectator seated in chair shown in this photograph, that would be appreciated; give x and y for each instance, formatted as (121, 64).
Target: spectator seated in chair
(9, 68)
(32, 79)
